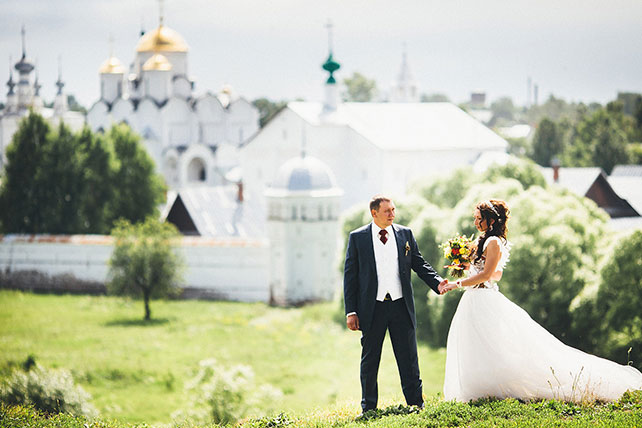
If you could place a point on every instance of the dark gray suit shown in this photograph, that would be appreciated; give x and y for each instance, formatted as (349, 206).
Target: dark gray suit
(360, 285)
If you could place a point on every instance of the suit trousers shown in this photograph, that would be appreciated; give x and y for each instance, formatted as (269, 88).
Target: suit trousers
(391, 316)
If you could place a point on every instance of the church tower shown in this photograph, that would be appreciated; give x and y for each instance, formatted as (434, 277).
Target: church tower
(24, 68)
(60, 102)
(303, 223)
(112, 75)
(331, 90)
(405, 89)
(11, 106)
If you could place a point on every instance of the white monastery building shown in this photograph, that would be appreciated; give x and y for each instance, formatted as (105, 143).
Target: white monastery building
(270, 233)
(192, 139)
(371, 147)
(24, 94)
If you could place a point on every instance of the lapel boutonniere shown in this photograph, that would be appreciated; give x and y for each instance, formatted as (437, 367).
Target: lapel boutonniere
(407, 247)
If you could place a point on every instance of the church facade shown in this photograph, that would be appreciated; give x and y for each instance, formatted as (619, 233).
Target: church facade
(194, 140)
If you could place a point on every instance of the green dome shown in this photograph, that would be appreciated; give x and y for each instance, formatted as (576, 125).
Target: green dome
(331, 66)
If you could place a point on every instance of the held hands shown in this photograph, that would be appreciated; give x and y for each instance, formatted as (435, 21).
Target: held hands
(352, 321)
(442, 286)
(448, 286)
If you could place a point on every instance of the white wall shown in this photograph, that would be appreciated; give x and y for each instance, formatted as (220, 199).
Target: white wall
(233, 269)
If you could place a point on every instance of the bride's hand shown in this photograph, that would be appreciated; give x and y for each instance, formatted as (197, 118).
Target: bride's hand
(450, 286)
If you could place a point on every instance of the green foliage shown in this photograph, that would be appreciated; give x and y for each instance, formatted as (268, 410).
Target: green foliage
(143, 263)
(98, 161)
(445, 191)
(21, 183)
(547, 143)
(556, 109)
(524, 171)
(359, 88)
(224, 395)
(138, 190)
(268, 109)
(503, 111)
(434, 98)
(620, 298)
(64, 183)
(50, 391)
(520, 147)
(462, 216)
(556, 240)
(279, 421)
(602, 138)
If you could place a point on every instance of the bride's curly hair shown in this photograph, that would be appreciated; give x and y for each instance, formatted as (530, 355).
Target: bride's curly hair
(492, 209)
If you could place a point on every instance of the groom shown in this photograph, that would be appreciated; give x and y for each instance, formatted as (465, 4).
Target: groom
(378, 297)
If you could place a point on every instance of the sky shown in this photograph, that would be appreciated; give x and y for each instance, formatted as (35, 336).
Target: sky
(586, 50)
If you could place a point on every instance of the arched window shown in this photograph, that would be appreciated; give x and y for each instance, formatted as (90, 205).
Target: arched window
(196, 171)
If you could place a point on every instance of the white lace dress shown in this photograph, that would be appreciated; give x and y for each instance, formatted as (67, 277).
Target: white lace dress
(495, 349)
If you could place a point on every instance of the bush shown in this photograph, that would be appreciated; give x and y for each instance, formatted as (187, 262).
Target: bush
(50, 391)
(617, 304)
(223, 396)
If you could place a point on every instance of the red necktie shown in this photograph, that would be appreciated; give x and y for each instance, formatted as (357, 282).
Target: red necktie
(382, 236)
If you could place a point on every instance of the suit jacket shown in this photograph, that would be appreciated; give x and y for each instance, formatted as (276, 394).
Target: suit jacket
(360, 273)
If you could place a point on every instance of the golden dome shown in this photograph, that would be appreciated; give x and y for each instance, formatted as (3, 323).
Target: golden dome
(112, 66)
(162, 39)
(157, 62)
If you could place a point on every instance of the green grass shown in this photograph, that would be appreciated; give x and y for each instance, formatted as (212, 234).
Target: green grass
(136, 371)
(626, 412)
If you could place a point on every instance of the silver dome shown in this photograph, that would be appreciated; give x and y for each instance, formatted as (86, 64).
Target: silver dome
(304, 173)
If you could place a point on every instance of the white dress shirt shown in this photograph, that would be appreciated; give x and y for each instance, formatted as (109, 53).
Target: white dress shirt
(387, 263)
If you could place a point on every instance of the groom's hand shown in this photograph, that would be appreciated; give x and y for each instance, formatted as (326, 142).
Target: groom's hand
(352, 321)
(442, 286)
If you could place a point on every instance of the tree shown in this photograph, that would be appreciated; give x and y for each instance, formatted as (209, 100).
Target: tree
(98, 165)
(619, 300)
(434, 98)
(556, 247)
(524, 171)
(602, 139)
(503, 111)
(143, 263)
(21, 191)
(359, 88)
(440, 190)
(60, 177)
(547, 142)
(74, 105)
(61, 182)
(268, 109)
(138, 190)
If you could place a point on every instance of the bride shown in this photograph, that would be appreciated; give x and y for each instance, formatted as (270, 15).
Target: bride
(495, 349)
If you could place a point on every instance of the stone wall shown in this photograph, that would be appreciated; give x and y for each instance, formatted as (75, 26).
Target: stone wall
(226, 269)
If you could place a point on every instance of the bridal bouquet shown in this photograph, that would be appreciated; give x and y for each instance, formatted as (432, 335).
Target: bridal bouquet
(457, 251)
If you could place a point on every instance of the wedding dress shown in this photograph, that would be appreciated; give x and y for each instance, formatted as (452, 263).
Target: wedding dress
(495, 349)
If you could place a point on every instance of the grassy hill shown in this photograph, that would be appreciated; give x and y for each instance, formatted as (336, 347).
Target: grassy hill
(136, 371)
(626, 413)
